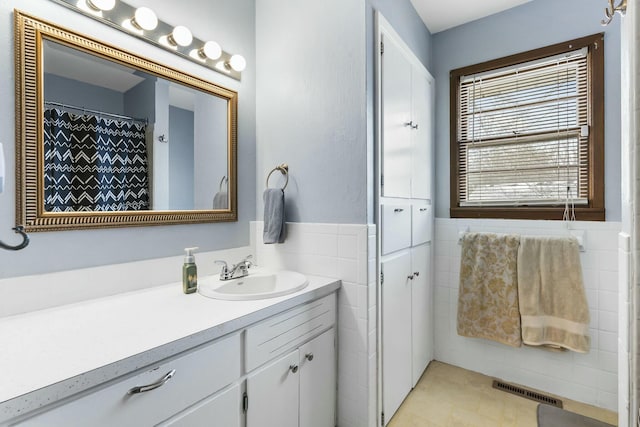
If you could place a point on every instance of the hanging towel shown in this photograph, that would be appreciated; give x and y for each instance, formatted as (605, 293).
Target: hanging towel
(488, 295)
(220, 200)
(553, 302)
(273, 215)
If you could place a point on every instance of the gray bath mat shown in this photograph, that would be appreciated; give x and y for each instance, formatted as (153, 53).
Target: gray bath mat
(550, 416)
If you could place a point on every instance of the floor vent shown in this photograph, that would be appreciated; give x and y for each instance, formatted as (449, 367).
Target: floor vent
(527, 394)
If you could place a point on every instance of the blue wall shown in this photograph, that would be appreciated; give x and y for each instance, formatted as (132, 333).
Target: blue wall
(232, 24)
(535, 24)
(181, 164)
(79, 94)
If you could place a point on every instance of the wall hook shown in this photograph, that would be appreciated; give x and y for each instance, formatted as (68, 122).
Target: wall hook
(25, 240)
(610, 11)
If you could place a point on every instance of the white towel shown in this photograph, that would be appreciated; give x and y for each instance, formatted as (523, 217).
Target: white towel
(274, 221)
(552, 299)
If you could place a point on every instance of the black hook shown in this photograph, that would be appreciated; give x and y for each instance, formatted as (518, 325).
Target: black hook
(25, 240)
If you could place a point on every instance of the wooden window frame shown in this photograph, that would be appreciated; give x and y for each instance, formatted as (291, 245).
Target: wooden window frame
(595, 210)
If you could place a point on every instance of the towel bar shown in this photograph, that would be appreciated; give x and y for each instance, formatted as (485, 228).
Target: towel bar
(284, 170)
(578, 234)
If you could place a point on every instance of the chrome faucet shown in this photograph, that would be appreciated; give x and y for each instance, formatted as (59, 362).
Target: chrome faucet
(240, 269)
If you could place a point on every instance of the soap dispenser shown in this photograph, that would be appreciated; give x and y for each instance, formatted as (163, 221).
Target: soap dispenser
(189, 272)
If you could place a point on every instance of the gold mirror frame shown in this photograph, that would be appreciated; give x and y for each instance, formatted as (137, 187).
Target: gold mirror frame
(30, 213)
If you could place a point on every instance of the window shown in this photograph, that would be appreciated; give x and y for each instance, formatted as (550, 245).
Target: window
(527, 134)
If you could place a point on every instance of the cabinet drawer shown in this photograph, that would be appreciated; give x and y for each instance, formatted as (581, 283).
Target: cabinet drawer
(221, 410)
(421, 224)
(286, 331)
(198, 374)
(396, 227)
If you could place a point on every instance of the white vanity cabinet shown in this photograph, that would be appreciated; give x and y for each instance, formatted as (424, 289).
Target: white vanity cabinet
(156, 394)
(292, 368)
(277, 371)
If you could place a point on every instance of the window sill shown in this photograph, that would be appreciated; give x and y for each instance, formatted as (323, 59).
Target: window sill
(550, 213)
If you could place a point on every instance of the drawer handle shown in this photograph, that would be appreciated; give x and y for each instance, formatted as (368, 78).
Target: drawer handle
(398, 210)
(293, 368)
(149, 387)
(423, 209)
(410, 277)
(416, 273)
(309, 356)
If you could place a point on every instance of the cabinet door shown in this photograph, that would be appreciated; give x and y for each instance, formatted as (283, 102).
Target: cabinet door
(396, 115)
(396, 331)
(421, 135)
(273, 393)
(220, 410)
(318, 381)
(421, 310)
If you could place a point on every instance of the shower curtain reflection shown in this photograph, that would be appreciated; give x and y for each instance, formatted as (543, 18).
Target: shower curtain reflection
(94, 163)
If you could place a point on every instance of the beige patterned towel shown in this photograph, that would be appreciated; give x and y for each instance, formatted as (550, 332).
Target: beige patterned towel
(553, 302)
(488, 296)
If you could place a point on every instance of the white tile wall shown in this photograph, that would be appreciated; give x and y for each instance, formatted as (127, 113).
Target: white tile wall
(347, 252)
(589, 378)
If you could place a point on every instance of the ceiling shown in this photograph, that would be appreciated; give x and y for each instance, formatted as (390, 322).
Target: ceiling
(440, 15)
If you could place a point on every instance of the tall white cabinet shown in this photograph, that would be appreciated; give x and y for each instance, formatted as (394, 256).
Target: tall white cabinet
(405, 171)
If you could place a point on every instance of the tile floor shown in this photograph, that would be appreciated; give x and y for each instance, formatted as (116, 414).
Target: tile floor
(448, 396)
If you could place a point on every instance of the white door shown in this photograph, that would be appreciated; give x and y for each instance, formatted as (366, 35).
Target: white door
(396, 331)
(396, 118)
(421, 309)
(273, 393)
(421, 135)
(318, 381)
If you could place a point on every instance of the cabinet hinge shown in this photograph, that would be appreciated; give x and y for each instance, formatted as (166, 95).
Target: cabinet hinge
(381, 277)
(382, 419)
(381, 47)
(245, 402)
(381, 180)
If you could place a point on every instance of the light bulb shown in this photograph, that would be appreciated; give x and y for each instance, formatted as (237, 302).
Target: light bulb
(180, 36)
(144, 19)
(211, 50)
(237, 62)
(101, 4)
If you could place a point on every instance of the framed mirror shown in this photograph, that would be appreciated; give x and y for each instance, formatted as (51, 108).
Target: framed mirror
(107, 138)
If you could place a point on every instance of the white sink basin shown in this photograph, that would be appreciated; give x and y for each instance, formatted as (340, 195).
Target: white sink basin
(259, 284)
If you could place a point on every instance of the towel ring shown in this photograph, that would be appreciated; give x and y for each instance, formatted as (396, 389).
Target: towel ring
(284, 170)
(222, 182)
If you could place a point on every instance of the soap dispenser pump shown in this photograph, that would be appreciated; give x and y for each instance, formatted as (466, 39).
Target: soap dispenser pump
(189, 272)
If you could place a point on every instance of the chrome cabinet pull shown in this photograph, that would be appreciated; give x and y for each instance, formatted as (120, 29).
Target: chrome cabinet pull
(414, 126)
(410, 277)
(309, 356)
(416, 273)
(423, 209)
(409, 124)
(398, 210)
(293, 368)
(149, 387)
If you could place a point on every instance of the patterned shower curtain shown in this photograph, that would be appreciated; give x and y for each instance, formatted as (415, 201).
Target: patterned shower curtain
(94, 163)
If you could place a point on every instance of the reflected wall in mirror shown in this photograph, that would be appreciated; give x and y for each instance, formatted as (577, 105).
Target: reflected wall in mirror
(106, 138)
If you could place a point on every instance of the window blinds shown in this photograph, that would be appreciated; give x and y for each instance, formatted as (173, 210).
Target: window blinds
(523, 134)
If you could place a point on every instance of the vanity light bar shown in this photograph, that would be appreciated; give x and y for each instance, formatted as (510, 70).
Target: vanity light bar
(179, 40)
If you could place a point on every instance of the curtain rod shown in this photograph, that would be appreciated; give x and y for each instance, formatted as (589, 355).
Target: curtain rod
(103, 113)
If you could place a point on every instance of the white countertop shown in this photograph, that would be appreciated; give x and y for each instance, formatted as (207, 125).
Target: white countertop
(51, 354)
